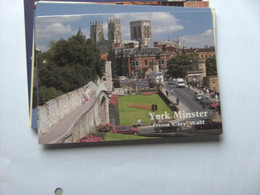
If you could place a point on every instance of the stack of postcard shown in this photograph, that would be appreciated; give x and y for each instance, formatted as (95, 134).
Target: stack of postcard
(106, 72)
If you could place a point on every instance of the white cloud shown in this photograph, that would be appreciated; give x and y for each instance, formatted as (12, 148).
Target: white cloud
(47, 27)
(43, 48)
(49, 30)
(161, 22)
(58, 19)
(200, 40)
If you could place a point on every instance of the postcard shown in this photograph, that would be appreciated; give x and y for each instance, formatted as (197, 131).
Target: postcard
(65, 7)
(130, 76)
(78, 8)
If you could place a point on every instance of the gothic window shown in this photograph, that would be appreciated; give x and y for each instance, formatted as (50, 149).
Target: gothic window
(135, 32)
(139, 32)
(148, 32)
(146, 62)
(100, 37)
(136, 63)
(139, 62)
(112, 35)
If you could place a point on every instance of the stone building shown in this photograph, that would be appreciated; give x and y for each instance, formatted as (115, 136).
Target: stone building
(198, 73)
(97, 32)
(114, 31)
(212, 83)
(107, 78)
(202, 53)
(141, 31)
(114, 34)
(138, 60)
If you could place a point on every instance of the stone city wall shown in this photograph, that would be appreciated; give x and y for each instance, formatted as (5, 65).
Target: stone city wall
(88, 121)
(56, 109)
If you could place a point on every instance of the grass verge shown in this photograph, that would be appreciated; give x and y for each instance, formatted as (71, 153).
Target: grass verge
(129, 115)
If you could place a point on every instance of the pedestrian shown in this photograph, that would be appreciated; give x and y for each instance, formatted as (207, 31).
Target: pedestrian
(167, 93)
(139, 123)
(216, 96)
(172, 91)
(86, 95)
(177, 101)
(212, 94)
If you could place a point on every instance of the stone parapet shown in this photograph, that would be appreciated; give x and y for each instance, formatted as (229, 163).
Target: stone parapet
(58, 108)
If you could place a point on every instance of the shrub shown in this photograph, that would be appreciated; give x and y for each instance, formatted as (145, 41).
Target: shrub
(105, 128)
(90, 138)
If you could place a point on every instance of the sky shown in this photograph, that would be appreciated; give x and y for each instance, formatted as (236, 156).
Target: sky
(193, 28)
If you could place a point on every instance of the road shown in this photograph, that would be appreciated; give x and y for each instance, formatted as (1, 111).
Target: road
(141, 83)
(187, 97)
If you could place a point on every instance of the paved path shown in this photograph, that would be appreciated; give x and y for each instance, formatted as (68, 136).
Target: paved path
(173, 98)
(63, 128)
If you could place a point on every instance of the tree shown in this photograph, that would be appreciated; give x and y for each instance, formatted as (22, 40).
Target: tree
(178, 65)
(119, 63)
(68, 65)
(211, 66)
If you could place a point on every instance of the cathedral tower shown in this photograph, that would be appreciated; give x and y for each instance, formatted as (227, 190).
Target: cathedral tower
(141, 31)
(96, 31)
(114, 31)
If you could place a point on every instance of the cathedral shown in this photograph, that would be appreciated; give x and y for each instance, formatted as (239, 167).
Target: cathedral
(140, 31)
(114, 34)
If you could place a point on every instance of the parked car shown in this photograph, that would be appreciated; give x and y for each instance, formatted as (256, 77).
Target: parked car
(165, 127)
(171, 82)
(198, 96)
(204, 100)
(126, 130)
(214, 104)
(208, 124)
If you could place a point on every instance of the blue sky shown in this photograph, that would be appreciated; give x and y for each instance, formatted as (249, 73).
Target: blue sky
(193, 27)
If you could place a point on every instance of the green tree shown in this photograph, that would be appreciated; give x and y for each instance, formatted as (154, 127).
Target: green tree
(68, 65)
(178, 65)
(119, 63)
(211, 66)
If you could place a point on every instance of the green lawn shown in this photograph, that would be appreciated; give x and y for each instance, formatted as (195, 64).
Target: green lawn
(119, 137)
(129, 115)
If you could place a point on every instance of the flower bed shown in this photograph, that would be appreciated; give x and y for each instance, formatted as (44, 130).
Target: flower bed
(114, 100)
(90, 138)
(148, 93)
(105, 128)
(140, 106)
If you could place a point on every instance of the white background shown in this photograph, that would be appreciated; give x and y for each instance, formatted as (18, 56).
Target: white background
(230, 165)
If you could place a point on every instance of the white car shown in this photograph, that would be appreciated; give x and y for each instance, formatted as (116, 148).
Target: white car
(180, 84)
